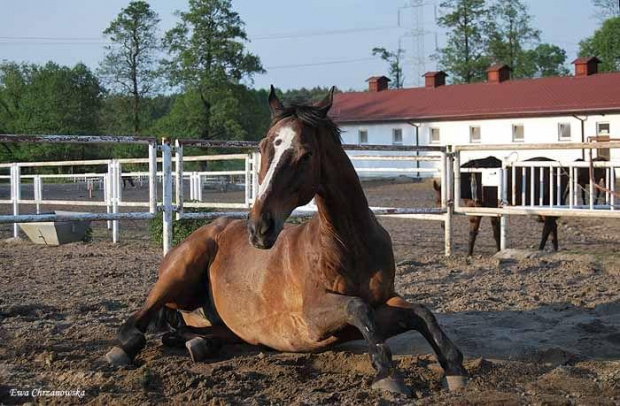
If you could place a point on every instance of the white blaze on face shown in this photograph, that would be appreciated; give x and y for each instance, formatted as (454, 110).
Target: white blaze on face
(282, 143)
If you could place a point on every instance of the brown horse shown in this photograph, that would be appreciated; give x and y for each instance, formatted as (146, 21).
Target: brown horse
(475, 195)
(599, 175)
(296, 287)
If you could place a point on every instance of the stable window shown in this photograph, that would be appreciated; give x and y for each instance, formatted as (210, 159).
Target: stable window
(363, 137)
(474, 134)
(564, 131)
(435, 138)
(518, 134)
(397, 136)
(602, 129)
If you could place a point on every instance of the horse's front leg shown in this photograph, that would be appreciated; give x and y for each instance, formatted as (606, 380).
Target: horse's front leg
(177, 283)
(474, 226)
(495, 223)
(398, 316)
(333, 312)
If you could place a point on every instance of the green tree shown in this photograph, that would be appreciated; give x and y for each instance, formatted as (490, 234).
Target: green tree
(606, 9)
(51, 99)
(510, 33)
(303, 95)
(605, 45)
(209, 61)
(131, 66)
(14, 79)
(543, 61)
(394, 59)
(463, 57)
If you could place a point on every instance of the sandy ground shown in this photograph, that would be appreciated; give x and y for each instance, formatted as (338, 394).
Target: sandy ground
(538, 329)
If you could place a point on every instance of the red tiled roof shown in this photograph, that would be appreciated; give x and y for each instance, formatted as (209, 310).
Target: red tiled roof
(599, 93)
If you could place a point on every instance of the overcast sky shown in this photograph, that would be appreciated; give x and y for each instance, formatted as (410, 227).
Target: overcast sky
(301, 43)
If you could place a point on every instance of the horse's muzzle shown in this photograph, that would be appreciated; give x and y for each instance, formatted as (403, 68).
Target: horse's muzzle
(263, 231)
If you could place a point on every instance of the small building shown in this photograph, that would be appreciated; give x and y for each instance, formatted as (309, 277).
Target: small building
(499, 111)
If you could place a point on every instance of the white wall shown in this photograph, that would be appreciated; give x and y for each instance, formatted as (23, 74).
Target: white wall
(497, 131)
(381, 134)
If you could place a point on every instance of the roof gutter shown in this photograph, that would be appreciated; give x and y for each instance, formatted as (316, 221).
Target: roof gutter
(583, 137)
(478, 116)
(417, 144)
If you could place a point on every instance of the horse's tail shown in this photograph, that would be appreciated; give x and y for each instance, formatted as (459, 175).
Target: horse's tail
(166, 320)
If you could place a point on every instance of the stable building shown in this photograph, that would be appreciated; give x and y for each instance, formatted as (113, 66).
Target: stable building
(501, 110)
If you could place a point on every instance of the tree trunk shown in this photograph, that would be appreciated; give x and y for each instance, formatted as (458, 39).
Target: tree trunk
(205, 130)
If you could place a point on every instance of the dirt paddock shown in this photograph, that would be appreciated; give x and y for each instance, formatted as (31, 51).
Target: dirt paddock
(535, 329)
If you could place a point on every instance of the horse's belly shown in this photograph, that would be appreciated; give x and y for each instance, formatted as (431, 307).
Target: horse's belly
(258, 300)
(282, 332)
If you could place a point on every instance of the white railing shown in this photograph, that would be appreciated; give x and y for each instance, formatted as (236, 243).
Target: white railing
(536, 187)
(111, 183)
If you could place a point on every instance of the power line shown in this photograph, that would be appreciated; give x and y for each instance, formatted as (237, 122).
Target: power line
(322, 33)
(303, 65)
(48, 40)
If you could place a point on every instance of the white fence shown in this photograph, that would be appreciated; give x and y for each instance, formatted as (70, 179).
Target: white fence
(111, 182)
(540, 190)
(523, 187)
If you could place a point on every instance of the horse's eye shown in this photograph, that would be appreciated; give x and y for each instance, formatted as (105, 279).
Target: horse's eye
(306, 157)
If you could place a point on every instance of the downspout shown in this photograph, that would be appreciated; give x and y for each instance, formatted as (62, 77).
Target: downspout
(417, 144)
(583, 136)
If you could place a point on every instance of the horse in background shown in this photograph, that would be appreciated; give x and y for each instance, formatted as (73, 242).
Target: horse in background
(294, 288)
(583, 178)
(550, 226)
(474, 194)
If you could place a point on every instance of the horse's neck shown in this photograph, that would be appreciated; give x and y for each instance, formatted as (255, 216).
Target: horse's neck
(344, 215)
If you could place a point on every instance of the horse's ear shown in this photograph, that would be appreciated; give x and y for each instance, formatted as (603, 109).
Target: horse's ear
(436, 186)
(326, 104)
(275, 105)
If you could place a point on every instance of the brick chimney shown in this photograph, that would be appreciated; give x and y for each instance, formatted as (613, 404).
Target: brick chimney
(377, 83)
(498, 73)
(434, 79)
(586, 66)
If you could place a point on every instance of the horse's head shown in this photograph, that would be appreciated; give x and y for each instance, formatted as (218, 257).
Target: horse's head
(290, 171)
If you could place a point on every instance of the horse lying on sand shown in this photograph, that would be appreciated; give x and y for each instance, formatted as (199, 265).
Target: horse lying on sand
(296, 287)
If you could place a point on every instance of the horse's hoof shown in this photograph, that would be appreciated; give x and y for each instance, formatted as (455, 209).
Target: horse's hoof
(116, 357)
(200, 349)
(173, 340)
(392, 384)
(454, 382)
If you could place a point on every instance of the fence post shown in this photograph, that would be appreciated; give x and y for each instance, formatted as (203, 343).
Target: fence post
(447, 201)
(612, 181)
(199, 187)
(457, 180)
(503, 186)
(38, 192)
(178, 167)
(15, 194)
(116, 186)
(167, 194)
(108, 187)
(153, 178)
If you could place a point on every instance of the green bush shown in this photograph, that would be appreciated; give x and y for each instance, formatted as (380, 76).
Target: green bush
(181, 229)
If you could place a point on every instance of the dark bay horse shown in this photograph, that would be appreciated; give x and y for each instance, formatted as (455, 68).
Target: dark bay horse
(550, 226)
(474, 194)
(296, 287)
(598, 175)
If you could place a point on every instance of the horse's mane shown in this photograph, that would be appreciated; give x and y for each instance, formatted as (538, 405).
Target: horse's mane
(311, 116)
